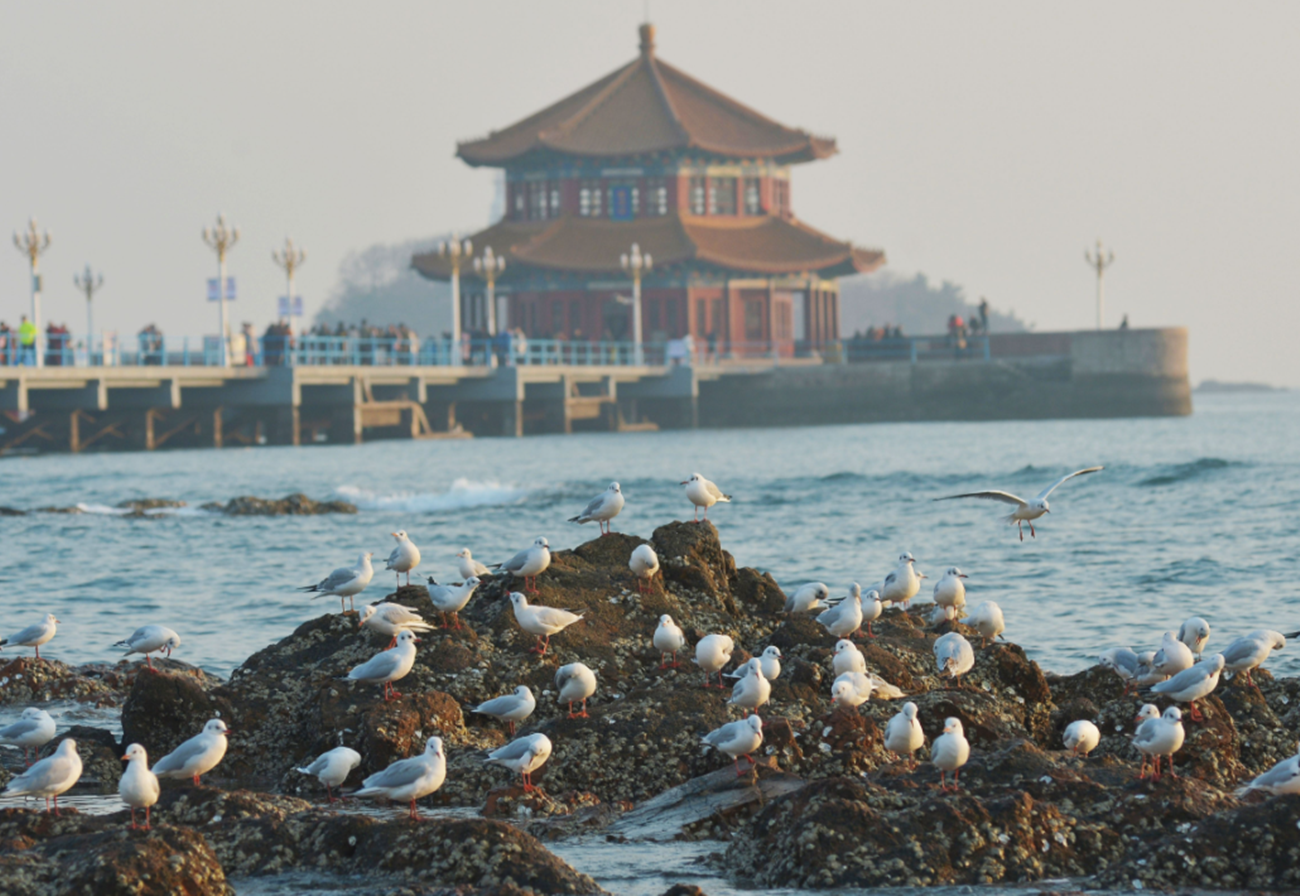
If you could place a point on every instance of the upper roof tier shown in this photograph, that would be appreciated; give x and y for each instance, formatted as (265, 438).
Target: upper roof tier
(646, 107)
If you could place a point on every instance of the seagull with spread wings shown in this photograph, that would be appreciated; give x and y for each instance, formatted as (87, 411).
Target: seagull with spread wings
(1026, 511)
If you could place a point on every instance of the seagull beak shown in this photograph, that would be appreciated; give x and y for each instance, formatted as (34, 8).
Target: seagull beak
(683, 483)
(125, 758)
(963, 576)
(394, 534)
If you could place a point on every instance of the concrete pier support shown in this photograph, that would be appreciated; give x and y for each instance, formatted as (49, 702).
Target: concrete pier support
(512, 418)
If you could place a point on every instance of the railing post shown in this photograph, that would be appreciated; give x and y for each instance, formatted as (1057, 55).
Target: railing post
(988, 354)
(912, 344)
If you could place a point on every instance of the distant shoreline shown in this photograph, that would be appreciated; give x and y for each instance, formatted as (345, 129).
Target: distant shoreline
(1217, 386)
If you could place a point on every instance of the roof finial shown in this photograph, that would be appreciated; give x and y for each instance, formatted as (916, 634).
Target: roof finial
(647, 32)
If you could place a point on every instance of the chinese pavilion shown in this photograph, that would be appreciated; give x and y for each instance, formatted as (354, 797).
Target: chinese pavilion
(651, 156)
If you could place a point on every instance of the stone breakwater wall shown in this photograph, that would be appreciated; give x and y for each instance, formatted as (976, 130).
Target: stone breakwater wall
(1113, 373)
(827, 806)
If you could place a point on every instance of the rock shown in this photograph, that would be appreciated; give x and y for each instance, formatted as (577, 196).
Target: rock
(140, 507)
(296, 504)
(27, 680)
(101, 758)
(12, 511)
(164, 710)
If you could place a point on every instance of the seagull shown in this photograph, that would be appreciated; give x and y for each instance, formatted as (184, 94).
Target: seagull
(468, 567)
(388, 666)
(903, 734)
(883, 690)
(871, 609)
(407, 780)
(1081, 737)
(1147, 673)
(703, 493)
(1284, 777)
(848, 658)
(576, 682)
(346, 582)
(34, 635)
(1194, 633)
(736, 739)
(1147, 713)
(950, 592)
(33, 730)
(603, 508)
(644, 564)
(1246, 654)
(954, 655)
(770, 662)
(530, 562)
(139, 787)
(148, 638)
(1123, 662)
(986, 619)
(452, 599)
(52, 776)
(1161, 737)
(391, 619)
(845, 618)
(510, 708)
(901, 585)
(669, 640)
(332, 768)
(1192, 684)
(712, 653)
(950, 751)
(525, 755)
(851, 689)
(541, 621)
(1026, 511)
(197, 756)
(807, 598)
(404, 558)
(1173, 656)
(752, 690)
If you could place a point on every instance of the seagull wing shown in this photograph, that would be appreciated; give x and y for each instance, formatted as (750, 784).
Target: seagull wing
(715, 491)
(516, 562)
(514, 750)
(335, 580)
(499, 705)
(399, 774)
(18, 729)
(995, 495)
(177, 758)
(1285, 771)
(591, 509)
(1241, 650)
(379, 666)
(1051, 488)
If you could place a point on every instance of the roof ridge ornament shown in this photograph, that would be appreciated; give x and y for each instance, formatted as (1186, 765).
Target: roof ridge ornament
(647, 32)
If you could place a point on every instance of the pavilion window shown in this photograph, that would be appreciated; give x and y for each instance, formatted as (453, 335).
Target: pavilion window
(537, 201)
(781, 196)
(520, 202)
(557, 318)
(590, 199)
(722, 196)
(624, 201)
(697, 195)
(753, 196)
(555, 199)
(656, 197)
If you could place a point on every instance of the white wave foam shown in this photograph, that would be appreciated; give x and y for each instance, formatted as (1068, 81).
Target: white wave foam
(463, 493)
(107, 510)
(102, 509)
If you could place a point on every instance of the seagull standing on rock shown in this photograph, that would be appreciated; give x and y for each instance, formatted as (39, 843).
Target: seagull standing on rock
(1284, 777)
(872, 608)
(392, 619)
(452, 599)
(1192, 684)
(139, 787)
(848, 658)
(736, 739)
(712, 653)
(404, 558)
(332, 768)
(525, 756)
(603, 508)
(752, 688)
(770, 662)
(388, 666)
(901, 585)
(703, 493)
(1081, 737)
(148, 638)
(845, 618)
(851, 689)
(954, 656)
(903, 734)
(1173, 656)
(1161, 737)
(644, 564)
(1194, 633)
(468, 567)
(407, 780)
(669, 640)
(197, 756)
(33, 730)
(806, 598)
(576, 682)
(51, 777)
(541, 621)
(950, 751)
(950, 593)
(529, 563)
(510, 708)
(34, 635)
(986, 619)
(1026, 511)
(1244, 655)
(345, 583)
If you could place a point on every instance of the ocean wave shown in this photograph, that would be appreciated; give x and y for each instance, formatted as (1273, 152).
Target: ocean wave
(102, 509)
(1182, 472)
(463, 493)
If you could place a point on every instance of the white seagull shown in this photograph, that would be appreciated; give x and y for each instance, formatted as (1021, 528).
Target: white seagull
(34, 635)
(1244, 655)
(845, 618)
(603, 508)
(468, 567)
(345, 583)
(669, 640)
(903, 734)
(712, 653)
(52, 776)
(644, 564)
(404, 558)
(1173, 656)
(407, 780)
(1026, 511)
(752, 690)
(872, 607)
(851, 689)
(954, 655)
(848, 658)
(530, 563)
(950, 593)
(332, 768)
(950, 751)
(197, 756)
(1192, 684)
(525, 755)
(736, 739)
(703, 493)
(901, 585)
(148, 638)
(1081, 737)
(883, 690)
(1161, 737)
(1147, 713)
(510, 708)
(1194, 633)
(33, 730)
(452, 598)
(1284, 777)
(807, 598)
(389, 665)
(541, 621)
(986, 619)
(138, 787)
(391, 619)
(770, 662)
(576, 682)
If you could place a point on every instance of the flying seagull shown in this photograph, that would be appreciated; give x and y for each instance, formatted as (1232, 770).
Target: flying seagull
(1026, 511)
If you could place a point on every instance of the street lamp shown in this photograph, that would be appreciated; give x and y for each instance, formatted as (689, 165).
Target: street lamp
(1099, 261)
(222, 239)
(33, 244)
(90, 283)
(636, 264)
(487, 266)
(290, 258)
(456, 252)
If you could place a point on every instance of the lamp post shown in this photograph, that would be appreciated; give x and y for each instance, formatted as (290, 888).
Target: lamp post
(290, 258)
(456, 252)
(636, 264)
(33, 244)
(90, 283)
(222, 239)
(487, 266)
(1099, 261)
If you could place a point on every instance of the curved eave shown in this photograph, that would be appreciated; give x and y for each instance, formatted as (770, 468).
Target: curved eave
(812, 150)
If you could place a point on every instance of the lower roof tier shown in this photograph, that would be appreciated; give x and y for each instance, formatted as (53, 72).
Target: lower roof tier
(766, 245)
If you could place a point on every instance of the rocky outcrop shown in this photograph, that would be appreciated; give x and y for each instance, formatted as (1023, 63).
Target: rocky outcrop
(26, 680)
(296, 504)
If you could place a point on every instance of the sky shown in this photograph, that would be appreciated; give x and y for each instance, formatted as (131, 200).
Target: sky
(988, 144)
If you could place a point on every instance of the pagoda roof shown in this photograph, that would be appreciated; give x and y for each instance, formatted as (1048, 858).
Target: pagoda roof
(761, 245)
(647, 107)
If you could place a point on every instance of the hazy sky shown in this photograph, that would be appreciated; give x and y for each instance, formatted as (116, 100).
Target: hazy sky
(985, 143)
